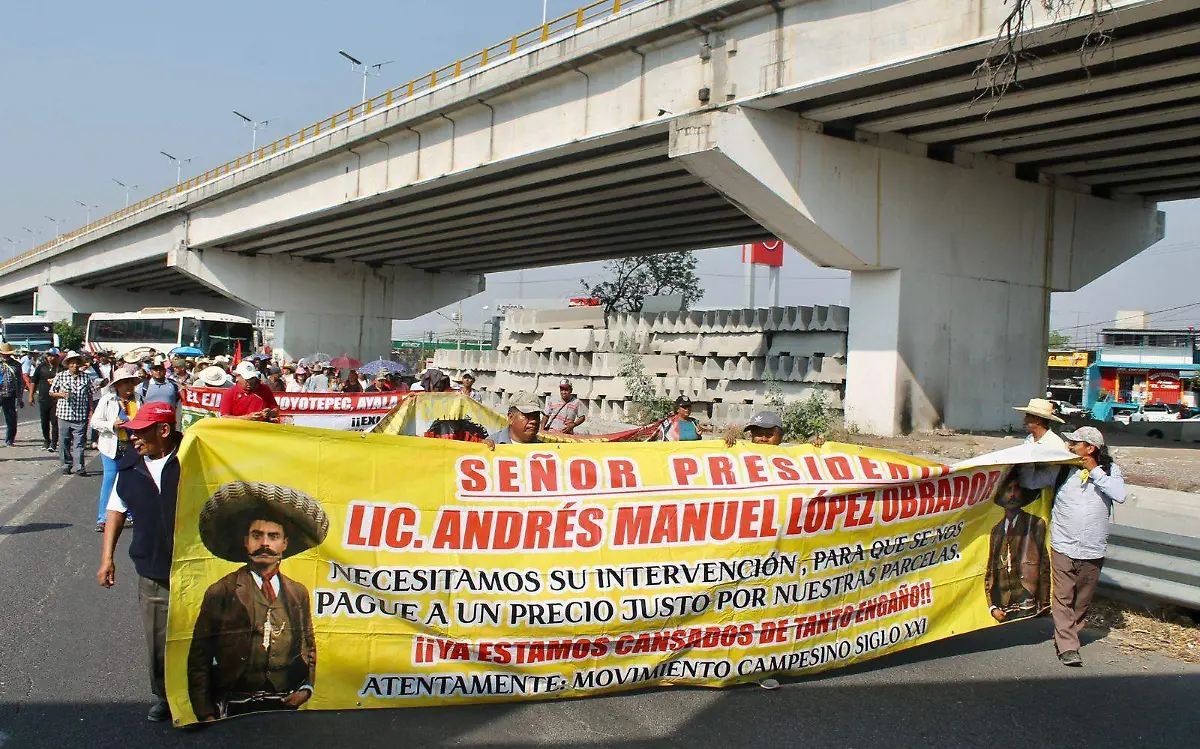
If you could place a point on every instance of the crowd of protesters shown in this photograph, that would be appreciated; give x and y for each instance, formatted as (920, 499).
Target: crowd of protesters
(130, 409)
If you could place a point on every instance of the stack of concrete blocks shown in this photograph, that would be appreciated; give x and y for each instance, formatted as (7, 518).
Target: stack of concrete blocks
(722, 359)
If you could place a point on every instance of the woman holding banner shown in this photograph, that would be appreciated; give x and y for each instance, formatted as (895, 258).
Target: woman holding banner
(1079, 524)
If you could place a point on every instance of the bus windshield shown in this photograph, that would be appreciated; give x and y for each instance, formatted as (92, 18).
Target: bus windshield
(36, 336)
(216, 337)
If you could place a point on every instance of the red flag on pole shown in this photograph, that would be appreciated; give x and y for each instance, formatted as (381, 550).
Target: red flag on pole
(237, 354)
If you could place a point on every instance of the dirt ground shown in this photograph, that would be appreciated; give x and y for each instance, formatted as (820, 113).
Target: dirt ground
(1162, 629)
(1146, 462)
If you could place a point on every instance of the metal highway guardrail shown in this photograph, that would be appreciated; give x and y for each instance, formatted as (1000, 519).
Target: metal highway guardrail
(1152, 564)
(552, 29)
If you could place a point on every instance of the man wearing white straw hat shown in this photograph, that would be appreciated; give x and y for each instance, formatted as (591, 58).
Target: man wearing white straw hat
(1039, 413)
(73, 391)
(253, 647)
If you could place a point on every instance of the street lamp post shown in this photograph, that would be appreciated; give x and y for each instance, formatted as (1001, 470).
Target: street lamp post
(13, 249)
(179, 165)
(459, 321)
(87, 211)
(32, 237)
(255, 125)
(357, 65)
(128, 189)
(57, 233)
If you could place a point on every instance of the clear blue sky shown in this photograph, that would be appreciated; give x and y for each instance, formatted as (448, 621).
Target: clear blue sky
(93, 91)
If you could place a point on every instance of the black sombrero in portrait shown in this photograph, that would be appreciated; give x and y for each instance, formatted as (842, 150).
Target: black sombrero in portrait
(227, 515)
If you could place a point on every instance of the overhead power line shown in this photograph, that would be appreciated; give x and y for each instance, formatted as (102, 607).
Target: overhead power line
(1131, 317)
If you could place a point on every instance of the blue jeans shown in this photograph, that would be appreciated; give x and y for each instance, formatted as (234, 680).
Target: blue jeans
(71, 437)
(110, 478)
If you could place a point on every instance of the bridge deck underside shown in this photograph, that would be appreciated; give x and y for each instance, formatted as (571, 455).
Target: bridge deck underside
(625, 199)
(150, 276)
(1111, 102)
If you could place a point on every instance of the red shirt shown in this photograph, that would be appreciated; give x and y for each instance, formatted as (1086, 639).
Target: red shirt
(237, 402)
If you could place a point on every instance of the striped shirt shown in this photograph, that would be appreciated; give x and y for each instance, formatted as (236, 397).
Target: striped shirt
(78, 388)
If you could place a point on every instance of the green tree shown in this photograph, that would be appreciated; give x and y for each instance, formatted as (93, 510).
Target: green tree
(811, 417)
(630, 280)
(1059, 340)
(70, 337)
(646, 406)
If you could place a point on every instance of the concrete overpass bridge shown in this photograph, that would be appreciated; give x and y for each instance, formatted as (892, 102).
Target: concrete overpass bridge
(852, 130)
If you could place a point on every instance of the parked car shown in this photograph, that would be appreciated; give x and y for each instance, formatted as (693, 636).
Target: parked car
(1154, 412)
(1064, 409)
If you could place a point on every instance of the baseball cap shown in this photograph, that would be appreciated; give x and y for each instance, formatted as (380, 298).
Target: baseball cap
(765, 420)
(469, 373)
(150, 414)
(1090, 435)
(564, 383)
(52, 350)
(683, 400)
(247, 370)
(526, 403)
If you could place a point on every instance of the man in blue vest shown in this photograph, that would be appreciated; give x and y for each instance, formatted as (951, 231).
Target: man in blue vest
(146, 486)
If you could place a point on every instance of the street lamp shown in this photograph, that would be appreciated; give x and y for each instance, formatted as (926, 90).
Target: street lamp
(32, 237)
(127, 189)
(543, 13)
(57, 233)
(13, 242)
(356, 65)
(88, 211)
(178, 165)
(254, 126)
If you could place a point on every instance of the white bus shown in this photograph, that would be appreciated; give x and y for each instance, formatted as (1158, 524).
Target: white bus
(32, 332)
(164, 328)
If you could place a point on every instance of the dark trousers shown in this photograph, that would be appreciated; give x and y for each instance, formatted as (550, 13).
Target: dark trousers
(49, 421)
(73, 434)
(1075, 583)
(9, 407)
(153, 596)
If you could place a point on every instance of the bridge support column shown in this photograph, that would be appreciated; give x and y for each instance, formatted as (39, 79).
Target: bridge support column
(951, 267)
(63, 301)
(336, 308)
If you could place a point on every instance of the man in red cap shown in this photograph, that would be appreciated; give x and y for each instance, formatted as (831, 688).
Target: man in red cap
(248, 398)
(146, 486)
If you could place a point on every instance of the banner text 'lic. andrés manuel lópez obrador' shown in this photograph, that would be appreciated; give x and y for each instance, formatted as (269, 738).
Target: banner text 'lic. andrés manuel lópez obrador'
(324, 570)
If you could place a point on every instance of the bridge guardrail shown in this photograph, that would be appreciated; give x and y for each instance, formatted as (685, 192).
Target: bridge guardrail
(552, 29)
(1162, 566)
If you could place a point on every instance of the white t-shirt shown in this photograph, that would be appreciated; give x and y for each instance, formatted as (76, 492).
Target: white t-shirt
(116, 504)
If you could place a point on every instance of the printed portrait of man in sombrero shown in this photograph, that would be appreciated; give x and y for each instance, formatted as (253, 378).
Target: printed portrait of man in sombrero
(252, 649)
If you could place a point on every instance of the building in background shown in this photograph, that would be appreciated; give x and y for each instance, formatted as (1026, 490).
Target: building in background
(1138, 364)
(1066, 374)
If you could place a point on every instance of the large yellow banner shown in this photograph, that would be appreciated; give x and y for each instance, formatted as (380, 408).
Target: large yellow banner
(325, 570)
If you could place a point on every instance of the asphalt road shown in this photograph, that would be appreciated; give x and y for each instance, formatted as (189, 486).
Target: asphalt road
(72, 674)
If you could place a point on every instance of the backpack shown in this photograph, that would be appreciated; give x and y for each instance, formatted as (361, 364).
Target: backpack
(145, 388)
(8, 380)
